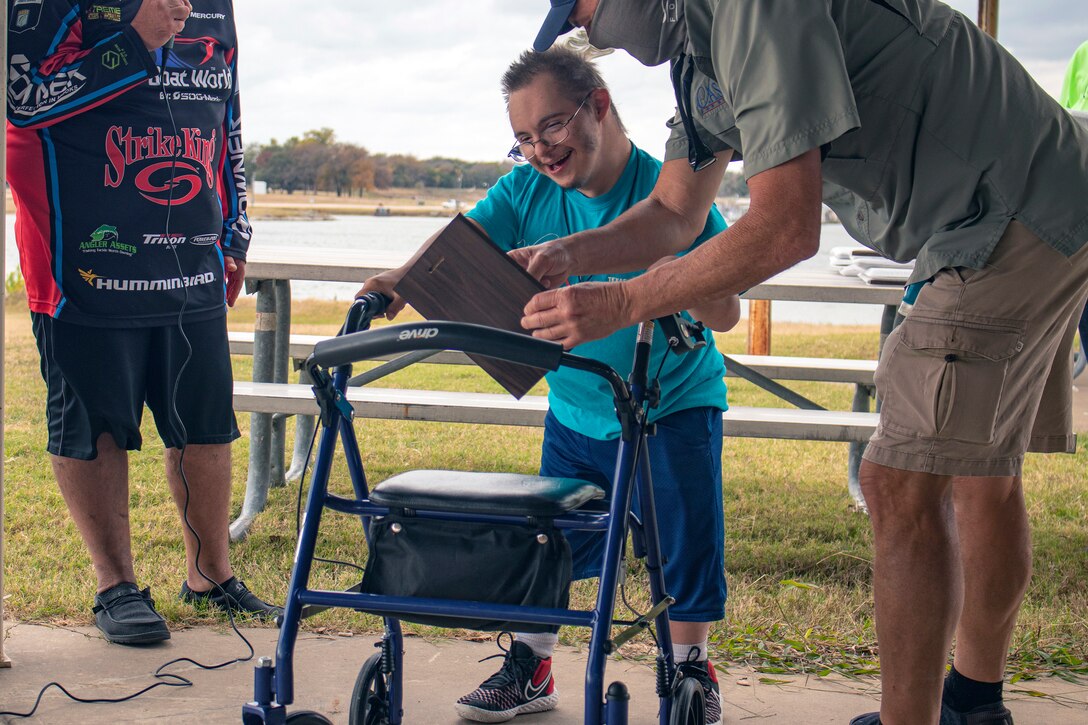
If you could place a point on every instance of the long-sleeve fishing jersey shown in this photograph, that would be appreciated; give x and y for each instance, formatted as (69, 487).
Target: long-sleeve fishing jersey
(119, 157)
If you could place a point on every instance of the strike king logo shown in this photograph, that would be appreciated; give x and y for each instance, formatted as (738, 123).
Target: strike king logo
(105, 239)
(173, 170)
(144, 285)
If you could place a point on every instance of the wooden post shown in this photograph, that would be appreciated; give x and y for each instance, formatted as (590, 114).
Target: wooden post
(987, 17)
(4, 661)
(759, 327)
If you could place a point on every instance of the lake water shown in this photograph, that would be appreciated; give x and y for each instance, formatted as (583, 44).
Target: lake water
(403, 235)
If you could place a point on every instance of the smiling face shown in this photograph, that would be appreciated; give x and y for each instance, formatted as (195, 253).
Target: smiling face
(575, 162)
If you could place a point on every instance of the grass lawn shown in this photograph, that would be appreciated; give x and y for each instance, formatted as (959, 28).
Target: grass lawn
(798, 556)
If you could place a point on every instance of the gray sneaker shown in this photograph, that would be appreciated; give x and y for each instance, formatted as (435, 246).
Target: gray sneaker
(126, 615)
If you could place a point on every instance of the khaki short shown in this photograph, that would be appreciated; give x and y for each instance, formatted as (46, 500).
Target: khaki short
(980, 371)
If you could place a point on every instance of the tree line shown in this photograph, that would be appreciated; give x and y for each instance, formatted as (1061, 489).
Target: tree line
(319, 162)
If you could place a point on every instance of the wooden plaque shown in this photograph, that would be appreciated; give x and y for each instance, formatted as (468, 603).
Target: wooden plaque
(462, 276)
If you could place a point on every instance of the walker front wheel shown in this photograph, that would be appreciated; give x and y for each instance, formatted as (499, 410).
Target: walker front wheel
(370, 700)
(307, 717)
(688, 703)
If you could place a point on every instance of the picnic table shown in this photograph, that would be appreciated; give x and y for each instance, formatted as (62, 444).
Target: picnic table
(270, 271)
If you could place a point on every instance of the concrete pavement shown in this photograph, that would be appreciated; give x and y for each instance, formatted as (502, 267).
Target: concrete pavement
(437, 673)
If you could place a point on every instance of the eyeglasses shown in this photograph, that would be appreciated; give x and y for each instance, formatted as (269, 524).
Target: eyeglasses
(552, 135)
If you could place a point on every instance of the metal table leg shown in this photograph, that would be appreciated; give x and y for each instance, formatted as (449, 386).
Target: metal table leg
(281, 367)
(304, 432)
(260, 424)
(888, 322)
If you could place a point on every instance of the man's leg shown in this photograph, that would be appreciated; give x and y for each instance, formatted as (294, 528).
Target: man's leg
(96, 493)
(917, 587)
(207, 473)
(995, 545)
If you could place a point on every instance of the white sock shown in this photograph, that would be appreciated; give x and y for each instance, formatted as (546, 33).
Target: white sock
(541, 643)
(689, 652)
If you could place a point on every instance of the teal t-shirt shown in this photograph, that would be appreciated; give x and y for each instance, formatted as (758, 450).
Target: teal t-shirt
(524, 208)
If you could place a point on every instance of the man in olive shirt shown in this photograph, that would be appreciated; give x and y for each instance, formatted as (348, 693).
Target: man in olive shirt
(931, 143)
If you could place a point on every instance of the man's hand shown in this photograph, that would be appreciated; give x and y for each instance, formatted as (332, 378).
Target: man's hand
(549, 263)
(159, 20)
(384, 283)
(236, 275)
(579, 313)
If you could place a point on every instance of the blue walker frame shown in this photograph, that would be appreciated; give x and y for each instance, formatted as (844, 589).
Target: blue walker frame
(274, 683)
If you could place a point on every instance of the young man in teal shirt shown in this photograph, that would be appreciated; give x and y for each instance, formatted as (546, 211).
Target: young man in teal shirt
(582, 173)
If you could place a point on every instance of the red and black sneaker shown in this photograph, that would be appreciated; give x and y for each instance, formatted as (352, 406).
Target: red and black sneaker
(703, 671)
(524, 684)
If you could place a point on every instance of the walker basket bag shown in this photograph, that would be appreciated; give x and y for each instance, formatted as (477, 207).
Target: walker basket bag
(492, 563)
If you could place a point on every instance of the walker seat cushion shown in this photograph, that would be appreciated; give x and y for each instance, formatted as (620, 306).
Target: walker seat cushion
(512, 494)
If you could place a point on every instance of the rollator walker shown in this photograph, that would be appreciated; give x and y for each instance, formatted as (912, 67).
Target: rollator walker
(521, 511)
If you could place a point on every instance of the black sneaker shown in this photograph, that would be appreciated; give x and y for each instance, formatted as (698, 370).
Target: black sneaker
(127, 615)
(523, 685)
(231, 594)
(703, 671)
(869, 718)
(993, 714)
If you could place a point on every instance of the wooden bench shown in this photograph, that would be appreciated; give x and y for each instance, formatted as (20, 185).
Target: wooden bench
(801, 423)
(776, 367)
(502, 409)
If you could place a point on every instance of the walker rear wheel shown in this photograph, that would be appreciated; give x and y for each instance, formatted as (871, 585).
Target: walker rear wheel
(370, 700)
(688, 703)
(307, 717)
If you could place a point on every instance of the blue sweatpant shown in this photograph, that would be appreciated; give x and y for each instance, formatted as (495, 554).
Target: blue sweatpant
(686, 467)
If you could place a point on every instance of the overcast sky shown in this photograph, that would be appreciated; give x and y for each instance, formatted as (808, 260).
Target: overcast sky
(421, 77)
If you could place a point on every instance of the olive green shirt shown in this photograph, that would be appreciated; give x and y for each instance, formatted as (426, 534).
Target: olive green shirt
(933, 136)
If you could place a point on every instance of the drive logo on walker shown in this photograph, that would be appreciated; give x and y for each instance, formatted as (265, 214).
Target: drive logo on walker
(421, 333)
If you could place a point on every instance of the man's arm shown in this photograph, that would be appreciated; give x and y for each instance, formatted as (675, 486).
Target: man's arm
(720, 314)
(52, 76)
(666, 222)
(232, 192)
(781, 228)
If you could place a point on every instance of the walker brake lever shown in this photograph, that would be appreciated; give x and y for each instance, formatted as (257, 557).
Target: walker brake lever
(682, 336)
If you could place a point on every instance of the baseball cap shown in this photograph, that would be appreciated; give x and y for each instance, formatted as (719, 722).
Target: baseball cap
(555, 24)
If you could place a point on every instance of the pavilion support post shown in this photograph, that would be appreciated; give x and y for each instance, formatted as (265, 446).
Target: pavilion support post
(4, 661)
(759, 327)
(987, 17)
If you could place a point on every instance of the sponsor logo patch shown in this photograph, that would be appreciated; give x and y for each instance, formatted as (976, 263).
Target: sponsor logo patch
(709, 97)
(114, 57)
(25, 15)
(144, 285)
(105, 240)
(170, 169)
(104, 12)
(25, 97)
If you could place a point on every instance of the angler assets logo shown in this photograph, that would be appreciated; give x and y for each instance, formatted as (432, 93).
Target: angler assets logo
(105, 239)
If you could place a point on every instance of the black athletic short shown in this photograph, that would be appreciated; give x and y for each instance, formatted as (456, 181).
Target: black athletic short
(98, 379)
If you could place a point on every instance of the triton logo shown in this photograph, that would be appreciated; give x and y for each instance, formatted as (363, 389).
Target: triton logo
(423, 333)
